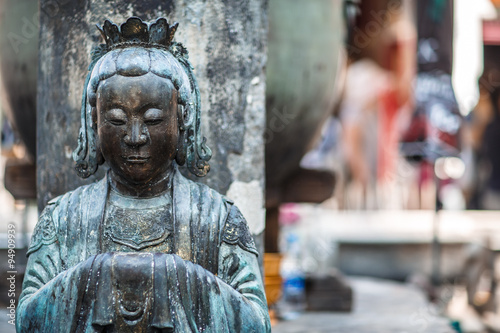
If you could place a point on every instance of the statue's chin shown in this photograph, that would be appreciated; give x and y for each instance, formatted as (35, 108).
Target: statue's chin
(136, 179)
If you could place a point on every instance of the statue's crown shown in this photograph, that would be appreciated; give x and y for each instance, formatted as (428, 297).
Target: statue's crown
(137, 32)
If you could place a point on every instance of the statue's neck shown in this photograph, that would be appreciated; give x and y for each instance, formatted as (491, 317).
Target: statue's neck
(147, 190)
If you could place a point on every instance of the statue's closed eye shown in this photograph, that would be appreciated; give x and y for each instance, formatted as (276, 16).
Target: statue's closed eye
(116, 117)
(153, 116)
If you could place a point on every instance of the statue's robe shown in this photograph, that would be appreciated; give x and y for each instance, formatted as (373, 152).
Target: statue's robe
(208, 282)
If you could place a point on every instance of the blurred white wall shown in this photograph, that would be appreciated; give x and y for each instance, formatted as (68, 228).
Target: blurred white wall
(468, 49)
(12, 211)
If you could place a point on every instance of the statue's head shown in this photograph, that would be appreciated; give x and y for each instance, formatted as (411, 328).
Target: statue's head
(141, 105)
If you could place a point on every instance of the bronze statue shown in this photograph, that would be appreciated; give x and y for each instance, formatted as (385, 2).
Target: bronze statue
(144, 249)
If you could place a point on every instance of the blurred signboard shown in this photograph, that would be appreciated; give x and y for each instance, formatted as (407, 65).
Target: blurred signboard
(435, 127)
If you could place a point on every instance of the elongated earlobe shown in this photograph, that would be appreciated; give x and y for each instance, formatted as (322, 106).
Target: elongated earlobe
(94, 117)
(180, 157)
(99, 156)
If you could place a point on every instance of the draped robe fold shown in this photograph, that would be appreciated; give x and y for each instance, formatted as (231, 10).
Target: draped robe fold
(209, 282)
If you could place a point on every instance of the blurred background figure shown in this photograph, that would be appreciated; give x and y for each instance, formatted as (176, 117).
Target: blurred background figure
(375, 104)
(369, 139)
(486, 141)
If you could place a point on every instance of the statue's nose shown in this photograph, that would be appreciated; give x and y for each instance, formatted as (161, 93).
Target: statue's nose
(136, 134)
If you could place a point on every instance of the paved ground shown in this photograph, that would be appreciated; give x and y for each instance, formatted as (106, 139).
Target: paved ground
(380, 307)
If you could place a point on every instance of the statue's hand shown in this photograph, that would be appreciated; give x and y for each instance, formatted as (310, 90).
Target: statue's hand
(127, 284)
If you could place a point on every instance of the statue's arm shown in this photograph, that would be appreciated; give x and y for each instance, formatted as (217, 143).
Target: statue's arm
(233, 300)
(49, 296)
(239, 269)
(241, 280)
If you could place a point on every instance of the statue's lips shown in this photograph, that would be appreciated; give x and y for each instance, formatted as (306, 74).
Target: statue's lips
(136, 159)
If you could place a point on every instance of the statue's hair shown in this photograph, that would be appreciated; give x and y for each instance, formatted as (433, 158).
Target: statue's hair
(138, 61)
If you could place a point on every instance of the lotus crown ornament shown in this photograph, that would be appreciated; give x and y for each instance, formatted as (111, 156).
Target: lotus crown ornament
(137, 32)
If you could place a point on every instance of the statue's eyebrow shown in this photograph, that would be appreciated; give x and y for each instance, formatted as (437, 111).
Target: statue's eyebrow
(115, 107)
(150, 105)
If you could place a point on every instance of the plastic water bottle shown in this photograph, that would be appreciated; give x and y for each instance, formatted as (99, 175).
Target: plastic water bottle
(293, 297)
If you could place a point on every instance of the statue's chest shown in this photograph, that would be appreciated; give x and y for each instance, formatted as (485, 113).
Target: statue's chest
(132, 224)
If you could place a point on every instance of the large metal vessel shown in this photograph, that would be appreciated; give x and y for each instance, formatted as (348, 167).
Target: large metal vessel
(304, 59)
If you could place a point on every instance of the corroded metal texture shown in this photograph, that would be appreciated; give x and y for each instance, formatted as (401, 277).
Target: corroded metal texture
(227, 47)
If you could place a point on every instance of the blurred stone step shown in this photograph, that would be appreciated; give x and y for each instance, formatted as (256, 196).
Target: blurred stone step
(328, 292)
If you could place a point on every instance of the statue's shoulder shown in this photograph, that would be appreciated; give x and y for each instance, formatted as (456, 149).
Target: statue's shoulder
(234, 228)
(45, 232)
(75, 196)
(55, 211)
(236, 231)
(201, 191)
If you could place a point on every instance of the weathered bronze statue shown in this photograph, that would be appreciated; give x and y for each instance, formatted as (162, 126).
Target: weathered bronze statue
(144, 249)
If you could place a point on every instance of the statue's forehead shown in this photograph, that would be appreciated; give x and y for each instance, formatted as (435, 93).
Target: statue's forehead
(126, 88)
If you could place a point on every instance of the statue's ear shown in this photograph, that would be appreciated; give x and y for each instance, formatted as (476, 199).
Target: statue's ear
(100, 157)
(180, 157)
(93, 112)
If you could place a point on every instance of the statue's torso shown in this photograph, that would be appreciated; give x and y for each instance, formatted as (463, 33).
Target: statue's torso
(85, 232)
(188, 221)
(138, 224)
